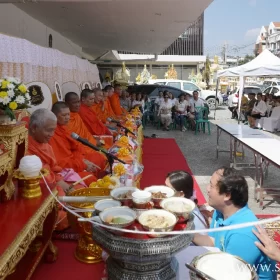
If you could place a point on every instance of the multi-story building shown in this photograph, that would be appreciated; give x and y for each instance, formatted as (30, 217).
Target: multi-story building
(269, 38)
(186, 53)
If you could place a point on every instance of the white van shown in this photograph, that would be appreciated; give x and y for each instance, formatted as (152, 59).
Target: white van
(189, 87)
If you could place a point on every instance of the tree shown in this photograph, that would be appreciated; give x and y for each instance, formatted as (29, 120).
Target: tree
(246, 59)
(207, 73)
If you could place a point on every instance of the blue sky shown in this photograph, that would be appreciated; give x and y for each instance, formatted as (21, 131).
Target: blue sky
(237, 23)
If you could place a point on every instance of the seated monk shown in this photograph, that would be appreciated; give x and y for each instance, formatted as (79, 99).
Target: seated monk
(68, 152)
(41, 129)
(115, 102)
(102, 106)
(76, 125)
(93, 124)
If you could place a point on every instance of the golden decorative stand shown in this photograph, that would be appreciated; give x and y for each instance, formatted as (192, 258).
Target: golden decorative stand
(15, 140)
(31, 187)
(87, 251)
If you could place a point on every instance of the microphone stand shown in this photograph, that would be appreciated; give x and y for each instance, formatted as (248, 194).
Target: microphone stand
(111, 159)
(125, 129)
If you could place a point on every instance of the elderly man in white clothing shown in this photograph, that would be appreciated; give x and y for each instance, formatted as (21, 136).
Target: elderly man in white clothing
(259, 110)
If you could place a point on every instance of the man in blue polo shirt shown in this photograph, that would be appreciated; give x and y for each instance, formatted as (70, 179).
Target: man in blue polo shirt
(228, 194)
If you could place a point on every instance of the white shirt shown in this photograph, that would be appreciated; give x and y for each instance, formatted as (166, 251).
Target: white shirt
(174, 101)
(198, 103)
(230, 100)
(181, 106)
(158, 100)
(165, 107)
(135, 102)
(260, 107)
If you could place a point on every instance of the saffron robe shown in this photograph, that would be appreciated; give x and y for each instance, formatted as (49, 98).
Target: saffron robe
(103, 110)
(76, 125)
(45, 152)
(95, 126)
(115, 104)
(69, 153)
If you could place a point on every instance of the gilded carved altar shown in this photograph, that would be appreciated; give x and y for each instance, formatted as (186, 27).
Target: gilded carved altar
(14, 137)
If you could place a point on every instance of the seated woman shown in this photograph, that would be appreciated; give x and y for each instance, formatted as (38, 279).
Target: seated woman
(258, 111)
(165, 111)
(181, 112)
(138, 102)
(182, 182)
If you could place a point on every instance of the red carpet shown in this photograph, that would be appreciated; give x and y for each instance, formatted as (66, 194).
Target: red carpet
(160, 156)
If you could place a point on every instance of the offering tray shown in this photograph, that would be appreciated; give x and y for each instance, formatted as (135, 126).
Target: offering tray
(135, 258)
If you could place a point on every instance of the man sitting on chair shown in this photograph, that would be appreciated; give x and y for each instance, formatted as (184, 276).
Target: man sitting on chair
(258, 111)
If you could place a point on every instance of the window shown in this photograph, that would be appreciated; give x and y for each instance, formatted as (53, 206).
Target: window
(274, 90)
(268, 90)
(174, 84)
(190, 87)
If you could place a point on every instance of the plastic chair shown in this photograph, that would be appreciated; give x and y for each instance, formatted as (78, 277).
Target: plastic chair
(202, 119)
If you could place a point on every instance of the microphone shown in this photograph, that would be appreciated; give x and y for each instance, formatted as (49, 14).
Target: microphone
(85, 142)
(120, 125)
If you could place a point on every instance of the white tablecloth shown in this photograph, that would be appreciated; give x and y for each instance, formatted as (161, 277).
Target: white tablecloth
(187, 255)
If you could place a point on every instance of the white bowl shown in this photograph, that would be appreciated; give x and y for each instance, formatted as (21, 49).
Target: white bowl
(141, 196)
(125, 201)
(122, 211)
(159, 213)
(104, 204)
(182, 215)
(163, 189)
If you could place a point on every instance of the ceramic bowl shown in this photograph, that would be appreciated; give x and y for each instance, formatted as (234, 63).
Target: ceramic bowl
(163, 189)
(122, 212)
(182, 215)
(170, 218)
(122, 190)
(104, 204)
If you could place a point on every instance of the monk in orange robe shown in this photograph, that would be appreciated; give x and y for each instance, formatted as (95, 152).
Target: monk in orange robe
(69, 153)
(93, 124)
(102, 106)
(115, 101)
(41, 128)
(76, 125)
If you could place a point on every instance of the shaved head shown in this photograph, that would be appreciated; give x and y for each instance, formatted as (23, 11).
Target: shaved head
(58, 106)
(42, 125)
(86, 93)
(73, 101)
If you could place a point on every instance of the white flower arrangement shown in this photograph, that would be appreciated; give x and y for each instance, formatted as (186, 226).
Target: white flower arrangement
(14, 95)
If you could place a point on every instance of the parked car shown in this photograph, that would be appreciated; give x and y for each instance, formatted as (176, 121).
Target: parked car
(189, 87)
(246, 90)
(275, 90)
(153, 91)
(272, 82)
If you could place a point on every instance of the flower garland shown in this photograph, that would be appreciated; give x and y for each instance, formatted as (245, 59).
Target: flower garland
(123, 152)
(13, 95)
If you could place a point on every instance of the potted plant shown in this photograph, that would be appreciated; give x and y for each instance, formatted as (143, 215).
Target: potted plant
(14, 96)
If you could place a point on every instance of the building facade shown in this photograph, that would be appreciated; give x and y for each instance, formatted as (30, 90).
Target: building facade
(191, 42)
(269, 38)
(186, 54)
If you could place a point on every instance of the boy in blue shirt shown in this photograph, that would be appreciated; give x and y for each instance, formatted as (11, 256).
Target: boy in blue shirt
(228, 194)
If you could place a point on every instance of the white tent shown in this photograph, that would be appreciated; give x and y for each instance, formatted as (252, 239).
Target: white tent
(265, 64)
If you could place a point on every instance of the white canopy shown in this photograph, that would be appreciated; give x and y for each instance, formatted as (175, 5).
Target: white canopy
(265, 64)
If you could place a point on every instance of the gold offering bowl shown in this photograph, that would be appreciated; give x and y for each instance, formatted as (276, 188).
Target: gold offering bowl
(31, 187)
(87, 251)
